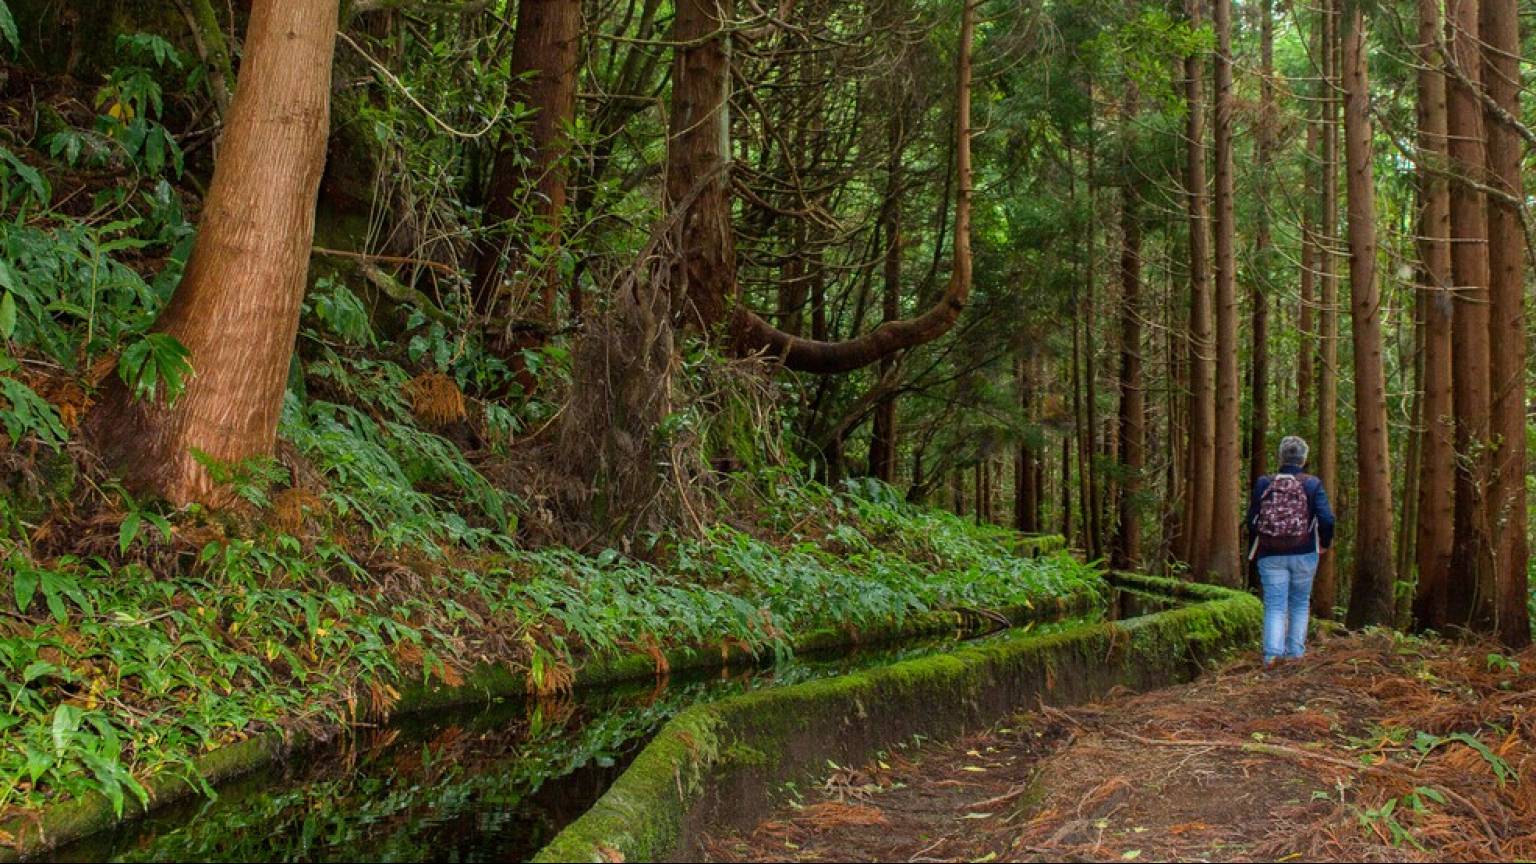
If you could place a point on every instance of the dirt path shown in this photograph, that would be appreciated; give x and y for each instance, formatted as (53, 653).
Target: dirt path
(1243, 765)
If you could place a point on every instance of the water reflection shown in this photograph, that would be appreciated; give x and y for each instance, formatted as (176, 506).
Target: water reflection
(489, 783)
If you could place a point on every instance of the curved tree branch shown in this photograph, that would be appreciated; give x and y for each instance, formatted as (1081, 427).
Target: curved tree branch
(753, 334)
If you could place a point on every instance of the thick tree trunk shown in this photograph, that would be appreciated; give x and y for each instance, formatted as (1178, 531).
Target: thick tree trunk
(703, 280)
(1371, 592)
(1221, 561)
(543, 77)
(1507, 516)
(237, 307)
(1469, 598)
(1437, 453)
(1200, 463)
(1325, 587)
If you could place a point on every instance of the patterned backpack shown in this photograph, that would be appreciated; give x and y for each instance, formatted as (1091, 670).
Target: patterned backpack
(1284, 511)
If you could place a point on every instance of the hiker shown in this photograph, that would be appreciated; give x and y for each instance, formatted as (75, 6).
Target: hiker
(1291, 526)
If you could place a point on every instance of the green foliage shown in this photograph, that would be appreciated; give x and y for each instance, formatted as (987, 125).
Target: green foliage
(132, 101)
(74, 297)
(8, 33)
(153, 361)
(376, 473)
(25, 413)
(251, 479)
(342, 313)
(1384, 817)
(273, 630)
(21, 185)
(1425, 743)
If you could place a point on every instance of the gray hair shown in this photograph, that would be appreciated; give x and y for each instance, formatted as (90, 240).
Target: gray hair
(1293, 451)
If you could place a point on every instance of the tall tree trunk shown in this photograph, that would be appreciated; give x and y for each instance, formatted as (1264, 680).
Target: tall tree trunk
(1092, 505)
(1084, 434)
(1222, 552)
(1026, 494)
(792, 282)
(1175, 355)
(1127, 551)
(980, 476)
(1201, 462)
(1371, 591)
(1066, 487)
(543, 77)
(237, 307)
(703, 279)
(1437, 453)
(917, 492)
(816, 275)
(1307, 351)
(1258, 429)
(1325, 587)
(882, 448)
(1258, 447)
(1040, 491)
(1469, 598)
(1132, 420)
(1507, 516)
(1412, 471)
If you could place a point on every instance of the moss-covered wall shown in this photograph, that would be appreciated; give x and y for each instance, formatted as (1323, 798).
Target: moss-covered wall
(72, 820)
(719, 763)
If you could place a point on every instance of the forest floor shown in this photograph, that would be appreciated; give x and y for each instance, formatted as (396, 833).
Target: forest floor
(1373, 748)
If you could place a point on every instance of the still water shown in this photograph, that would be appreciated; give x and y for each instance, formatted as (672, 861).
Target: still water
(485, 783)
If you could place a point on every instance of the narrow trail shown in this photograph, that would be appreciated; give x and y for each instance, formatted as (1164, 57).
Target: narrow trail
(1244, 765)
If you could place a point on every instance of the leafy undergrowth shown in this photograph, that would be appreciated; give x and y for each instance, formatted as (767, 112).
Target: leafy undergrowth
(384, 546)
(122, 664)
(133, 661)
(373, 553)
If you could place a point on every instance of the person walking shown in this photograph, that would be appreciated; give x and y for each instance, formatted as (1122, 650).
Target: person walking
(1291, 525)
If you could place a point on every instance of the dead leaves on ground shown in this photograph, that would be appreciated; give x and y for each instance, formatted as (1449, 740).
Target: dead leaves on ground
(1324, 760)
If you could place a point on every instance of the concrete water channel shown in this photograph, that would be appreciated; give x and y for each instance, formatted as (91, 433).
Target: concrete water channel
(500, 781)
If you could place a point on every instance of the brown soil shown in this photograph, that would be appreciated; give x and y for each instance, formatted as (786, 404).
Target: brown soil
(1244, 765)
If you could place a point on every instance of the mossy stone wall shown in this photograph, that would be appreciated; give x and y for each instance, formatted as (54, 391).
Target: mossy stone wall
(720, 763)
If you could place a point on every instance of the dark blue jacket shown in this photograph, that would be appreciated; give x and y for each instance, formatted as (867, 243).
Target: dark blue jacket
(1317, 502)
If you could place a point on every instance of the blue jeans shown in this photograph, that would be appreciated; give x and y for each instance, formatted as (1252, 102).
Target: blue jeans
(1287, 597)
